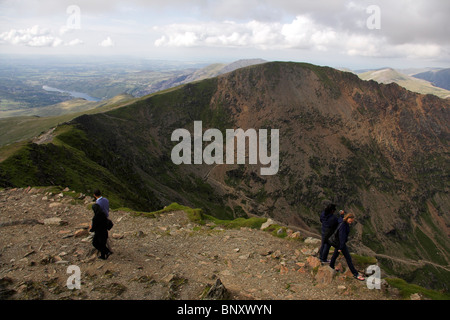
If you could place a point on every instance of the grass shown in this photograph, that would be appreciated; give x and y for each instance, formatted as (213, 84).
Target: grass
(406, 290)
(198, 216)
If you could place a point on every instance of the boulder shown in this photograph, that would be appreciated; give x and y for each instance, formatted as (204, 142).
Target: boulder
(313, 262)
(267, 224)
(324, 275)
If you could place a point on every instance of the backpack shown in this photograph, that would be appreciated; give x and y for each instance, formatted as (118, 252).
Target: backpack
(109, 224)
(333, 240)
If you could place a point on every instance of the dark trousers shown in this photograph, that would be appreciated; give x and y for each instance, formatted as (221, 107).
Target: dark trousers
(347, 257)
(323, 251)
(99, 242)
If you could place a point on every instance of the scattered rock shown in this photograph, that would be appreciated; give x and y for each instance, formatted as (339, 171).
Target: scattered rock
(267, 224)
(415, 296)
(55, 221)
(217, 292)
(81, 233)
(313, 262)
(324, 275)
(311, 240)
(295, 235)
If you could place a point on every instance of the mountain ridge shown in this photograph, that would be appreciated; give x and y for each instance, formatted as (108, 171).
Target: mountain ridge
(377, 150)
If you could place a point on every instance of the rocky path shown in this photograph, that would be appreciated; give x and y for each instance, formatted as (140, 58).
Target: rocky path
(44, 231)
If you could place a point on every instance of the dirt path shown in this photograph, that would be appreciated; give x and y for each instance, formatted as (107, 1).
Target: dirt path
(168, 257)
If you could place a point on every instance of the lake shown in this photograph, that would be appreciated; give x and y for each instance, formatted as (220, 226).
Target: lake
(74, 94)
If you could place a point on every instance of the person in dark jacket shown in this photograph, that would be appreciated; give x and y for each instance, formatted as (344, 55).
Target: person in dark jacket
(344, 230)
(99, 226)
(329, 224)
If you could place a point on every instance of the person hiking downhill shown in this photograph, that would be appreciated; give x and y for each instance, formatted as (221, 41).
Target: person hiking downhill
(329, 224)
(100, 227)
(344, 230)
(104, 205)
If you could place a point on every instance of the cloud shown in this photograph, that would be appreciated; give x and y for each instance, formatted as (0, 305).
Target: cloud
(32, 37)
(74, 42)
(302, 32)
(106, 43)
(35, 37)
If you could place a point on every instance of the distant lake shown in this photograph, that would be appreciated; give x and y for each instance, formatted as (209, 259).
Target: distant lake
(72, 93)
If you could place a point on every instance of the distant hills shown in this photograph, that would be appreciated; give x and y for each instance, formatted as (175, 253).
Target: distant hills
(439, 78)
(377, 150)
(210, 71)
(417, 83)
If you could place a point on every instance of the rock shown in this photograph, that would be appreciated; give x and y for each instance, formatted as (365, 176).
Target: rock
(295, 235)
(54, 204)
(341, 288)
(324, 275)
(311, 240)
(117, 236)
(168, 278)
(84, 225)
(415, 296)
(313, 262)
(276, 254)
(140, 234)
(267, 224)
(55, 221)
(217, 292)
(81, 233)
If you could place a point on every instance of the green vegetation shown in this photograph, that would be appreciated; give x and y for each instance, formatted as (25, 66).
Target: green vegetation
(406, 290)
(199, 217)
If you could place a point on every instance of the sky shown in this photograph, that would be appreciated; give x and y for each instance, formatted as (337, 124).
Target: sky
(354, 34)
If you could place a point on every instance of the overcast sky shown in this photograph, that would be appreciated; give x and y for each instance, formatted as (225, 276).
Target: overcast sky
(338, 33)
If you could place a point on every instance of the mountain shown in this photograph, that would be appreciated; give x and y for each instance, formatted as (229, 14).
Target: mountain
(37, 120)
(210, 71)
(439, 78)
(377, 150)
(412, 83)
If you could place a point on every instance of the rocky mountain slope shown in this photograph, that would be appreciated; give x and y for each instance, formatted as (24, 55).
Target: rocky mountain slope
(377, 150)
(161, 256)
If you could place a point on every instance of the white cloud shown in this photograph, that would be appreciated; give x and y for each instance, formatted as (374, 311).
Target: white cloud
(33, 37)
(74, 42)
(106, 43)
(302, 32)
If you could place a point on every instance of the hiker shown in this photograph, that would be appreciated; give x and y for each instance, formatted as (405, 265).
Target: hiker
(329, 224)
(104, 205)
(343, 231)
(341, 216)
(100, 229)
(102, 201)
